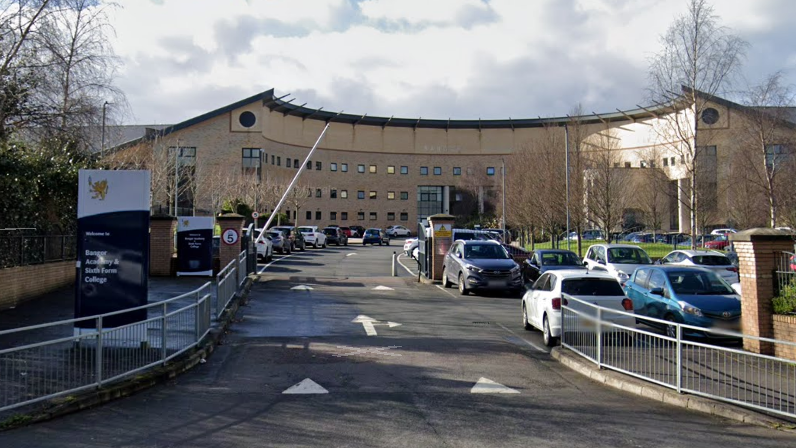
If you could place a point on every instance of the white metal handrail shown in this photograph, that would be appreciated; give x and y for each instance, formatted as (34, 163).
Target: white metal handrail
(754, 380)
(226, 287)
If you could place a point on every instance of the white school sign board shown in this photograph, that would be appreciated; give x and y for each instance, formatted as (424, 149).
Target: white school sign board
(195, 245)
(112, 245)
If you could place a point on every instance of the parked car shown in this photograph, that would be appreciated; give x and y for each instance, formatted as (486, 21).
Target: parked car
(297, 241)
(313, 236)
(723, 231)
(409, 246)
(708, 259)
(620, 260)
(395, 231)
(346, 231)
(357, 231)
(549, 260)
(477, 265)
(335, 235)
(375, 236)
(265, 248)
(541, 303)
(279, 241)
(692, 296)
(720, 243)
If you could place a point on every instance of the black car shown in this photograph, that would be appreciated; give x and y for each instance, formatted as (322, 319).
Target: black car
(296, 238)
(548, 260)
(357, 231)
(336, 236)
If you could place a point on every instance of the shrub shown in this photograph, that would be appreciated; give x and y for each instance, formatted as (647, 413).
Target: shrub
(785, 302)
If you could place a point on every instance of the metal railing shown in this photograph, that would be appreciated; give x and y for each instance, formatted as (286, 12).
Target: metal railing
(228, 280)
(23, 250)
(785, 274)
(242, 268)
(761, 382)
(59, 359)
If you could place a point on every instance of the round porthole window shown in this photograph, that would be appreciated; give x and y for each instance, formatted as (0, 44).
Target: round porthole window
(710, 116)
(247, 119)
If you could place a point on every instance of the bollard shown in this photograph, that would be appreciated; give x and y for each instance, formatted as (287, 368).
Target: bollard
(394, 270)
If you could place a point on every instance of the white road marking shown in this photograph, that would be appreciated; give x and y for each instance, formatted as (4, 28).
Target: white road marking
(446, 291)
(361, 351)
(487, 386)
(370, 330)
(404, 266)
(306, 387)
(383, 288)
(350, 254)
(523, 339)
(302, 288)
(369, 324)
(274, 261)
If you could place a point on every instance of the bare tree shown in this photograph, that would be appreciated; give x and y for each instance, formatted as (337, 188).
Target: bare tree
(577, 166)
(696, 62)
(654, 189)
(608, 184)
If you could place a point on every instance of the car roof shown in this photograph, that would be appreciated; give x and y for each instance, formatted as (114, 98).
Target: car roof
(612, 246)
(700, 252)
(676, 268)
(554, 251)
(578, 273)
(473, 242)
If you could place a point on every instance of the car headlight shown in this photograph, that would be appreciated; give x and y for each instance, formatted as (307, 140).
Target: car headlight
(690, 309)
(472, 268)
(515, 270)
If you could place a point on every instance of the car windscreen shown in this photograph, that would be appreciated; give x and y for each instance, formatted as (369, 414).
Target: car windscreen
(275, 234)
(306, 229)
(698, 282)
(711, 260)
(485, 251)
(372, 232)
(332, 232)
(466, 236)
(592, 287)
(628, 255)
(560, 259)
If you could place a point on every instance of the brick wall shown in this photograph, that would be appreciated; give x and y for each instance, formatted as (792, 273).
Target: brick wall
(161, 246)
(785, 330)
(20, 284)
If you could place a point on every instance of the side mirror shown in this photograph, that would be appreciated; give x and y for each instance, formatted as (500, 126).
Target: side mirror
(586, 263)
(656, 291)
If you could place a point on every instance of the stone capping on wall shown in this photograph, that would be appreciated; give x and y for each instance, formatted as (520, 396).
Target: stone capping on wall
(761, 234)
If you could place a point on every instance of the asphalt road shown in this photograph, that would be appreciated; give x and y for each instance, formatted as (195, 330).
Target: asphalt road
(402, 385)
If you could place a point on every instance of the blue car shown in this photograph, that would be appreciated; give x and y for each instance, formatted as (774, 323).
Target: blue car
(691, 296)
(375, 236)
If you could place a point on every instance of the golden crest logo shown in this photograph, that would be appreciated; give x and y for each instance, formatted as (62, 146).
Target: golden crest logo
(99, 189)
(185, 223)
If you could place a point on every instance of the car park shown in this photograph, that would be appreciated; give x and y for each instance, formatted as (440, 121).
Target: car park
(395, 231)
(692, 296)
(541, 303)
(707, 259)
(479, 265)
(279, 241)
(335, 235)
(375, 236)
(620, 260)
(549, 260)
(313, 236)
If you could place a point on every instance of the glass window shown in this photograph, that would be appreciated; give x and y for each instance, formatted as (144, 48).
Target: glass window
(642, 275)
(318, 166)
(343, 194)
(318, 193)
(251, 158)
(404, 216)
(665, 161)
(372, 195)
(344, 216)
(373, 216)
(404, 195)
(391, 169)
(592, 287)
(360, 194)
(309, 215)
(657, 280)
(390, 216)
(390, 195)
(273, 159)
(490, 171)
(344, 167)
(424, 171)
(289, 162)
(457, 171)
(627, 164)
(361, 216)
(333, 193)
(296, 163)
(318, 216)
(672, 161)
(628, 255)
(429, 201)
(309, 164)
(333, 166)
(437, 170)
(404, 170)
(360, 168)
(333, 216)
(372, 169)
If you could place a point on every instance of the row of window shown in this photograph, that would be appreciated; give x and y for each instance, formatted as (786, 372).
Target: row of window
(373, 216)
(343, 194)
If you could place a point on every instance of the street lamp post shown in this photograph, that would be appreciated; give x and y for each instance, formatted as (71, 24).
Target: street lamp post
(102, 139)
(503, 215)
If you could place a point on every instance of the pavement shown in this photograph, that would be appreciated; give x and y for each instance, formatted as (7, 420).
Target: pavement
(330, 350)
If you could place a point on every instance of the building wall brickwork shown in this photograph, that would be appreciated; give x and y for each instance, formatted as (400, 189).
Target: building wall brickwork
(785, 330)
(22, 283)
(161, 246)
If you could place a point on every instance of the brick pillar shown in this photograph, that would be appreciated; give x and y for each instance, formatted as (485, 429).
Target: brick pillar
(162, 229)
(441, 227)
(229, 252)
(757, 256)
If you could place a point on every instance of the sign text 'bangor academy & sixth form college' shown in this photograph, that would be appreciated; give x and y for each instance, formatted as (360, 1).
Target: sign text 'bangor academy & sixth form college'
(195, 245)
(112, 245)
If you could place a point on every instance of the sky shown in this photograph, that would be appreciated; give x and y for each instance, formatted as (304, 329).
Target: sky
(440, 59)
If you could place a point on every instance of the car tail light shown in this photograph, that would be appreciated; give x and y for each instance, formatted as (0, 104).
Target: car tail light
(627, 304)
(733, 269)
(556, 303)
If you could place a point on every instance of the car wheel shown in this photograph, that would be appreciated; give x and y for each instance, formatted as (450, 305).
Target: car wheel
(363, 243)
(379, 243)
(346, 243)
(445, 282)
(525, 324)
(462, 287)
(324, 245)
(387, 243)
(671, 330)
(549, 340)
(315, 244)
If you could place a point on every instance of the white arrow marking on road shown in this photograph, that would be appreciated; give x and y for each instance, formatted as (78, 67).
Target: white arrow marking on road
(302, 288)
(368, 323)
(487, 386)
(350, 254)
(306, 387)
(383, 288)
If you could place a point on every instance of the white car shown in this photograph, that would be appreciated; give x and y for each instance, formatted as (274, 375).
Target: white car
(409, 245)
(722, 231)
(619, 260)
(398, 231)
(313, 236)
(707, 259)
(541, 304)
(265, 248)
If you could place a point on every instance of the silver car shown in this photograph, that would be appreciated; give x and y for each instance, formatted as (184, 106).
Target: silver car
(480, 265)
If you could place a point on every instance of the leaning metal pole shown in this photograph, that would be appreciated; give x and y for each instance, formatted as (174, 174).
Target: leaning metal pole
(503, 215)
(290, 187)
(566, 163)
